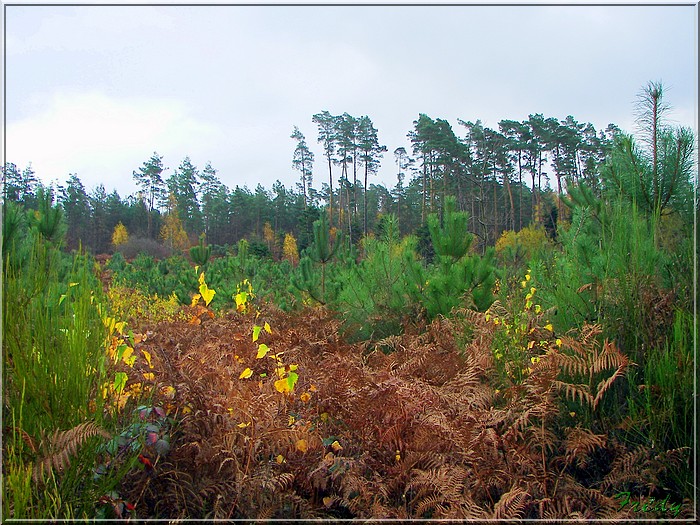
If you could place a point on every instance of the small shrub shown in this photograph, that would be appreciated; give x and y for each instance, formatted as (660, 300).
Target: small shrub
(518, 248)
(137, 308)
(200, 254)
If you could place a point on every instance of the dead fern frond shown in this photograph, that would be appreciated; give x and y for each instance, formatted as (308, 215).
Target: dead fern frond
(26, 438)
(576, 392)
(392, 342)
(432, 503)
(580, 444)
(511, 505)
(64, 444)
(627, 468)
(278, 483)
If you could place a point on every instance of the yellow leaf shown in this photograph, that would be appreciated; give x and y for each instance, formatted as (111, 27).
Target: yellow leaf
(282, 386)
(147, 356)
(558, 342)
(241, 298)
(280, 459)
(201, 278)
(262, 351)
(549, 327)
(327, 501)
(305, 397)
(149, 376)
(312, 388)
(267, 328)
(246, 374)
(243, 425)
(195, 299)
(186, 409)
(207, 294)
(531, 344)
(256, 332)
(336, 446)
(168, 392)
(128, 357)
(302, 446)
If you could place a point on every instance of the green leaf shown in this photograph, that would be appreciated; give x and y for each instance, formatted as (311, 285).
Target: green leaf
(292, 380)
(256, 332)
(120, 379)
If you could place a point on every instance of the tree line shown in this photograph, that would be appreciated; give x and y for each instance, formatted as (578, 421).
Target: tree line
(505, 178)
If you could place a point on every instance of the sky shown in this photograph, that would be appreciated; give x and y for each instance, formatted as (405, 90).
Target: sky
(96, 90)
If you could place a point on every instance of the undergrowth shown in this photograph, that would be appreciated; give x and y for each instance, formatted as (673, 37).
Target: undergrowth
(418, 427)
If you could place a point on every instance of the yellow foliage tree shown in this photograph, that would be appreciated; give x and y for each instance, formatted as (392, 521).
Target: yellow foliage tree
(120, 235)
(172, 232)
(268, 234)
(289, 249)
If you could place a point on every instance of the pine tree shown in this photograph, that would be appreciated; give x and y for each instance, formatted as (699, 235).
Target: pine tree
(303, 161)
(149, 178)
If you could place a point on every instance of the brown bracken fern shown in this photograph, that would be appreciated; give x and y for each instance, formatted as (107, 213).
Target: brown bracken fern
(58, 448)
(413, 428)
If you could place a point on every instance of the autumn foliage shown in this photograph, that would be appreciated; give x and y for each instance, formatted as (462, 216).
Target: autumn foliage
(415, 427)
(120, 235)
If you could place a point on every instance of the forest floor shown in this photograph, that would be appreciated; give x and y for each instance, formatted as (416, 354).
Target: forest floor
(410, 428)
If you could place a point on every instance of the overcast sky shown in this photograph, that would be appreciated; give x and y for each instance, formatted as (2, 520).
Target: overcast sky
(95, 90)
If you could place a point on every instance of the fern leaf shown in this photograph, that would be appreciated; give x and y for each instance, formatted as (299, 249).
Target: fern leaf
(512, 504)
(604, 385)
(581, 443)
(64, 444)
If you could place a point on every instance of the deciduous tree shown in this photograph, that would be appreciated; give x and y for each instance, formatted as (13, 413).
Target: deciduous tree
(120, 235)
(172, 232)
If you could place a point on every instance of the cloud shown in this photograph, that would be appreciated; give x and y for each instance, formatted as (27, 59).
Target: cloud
(44, 28)
(99, 137)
